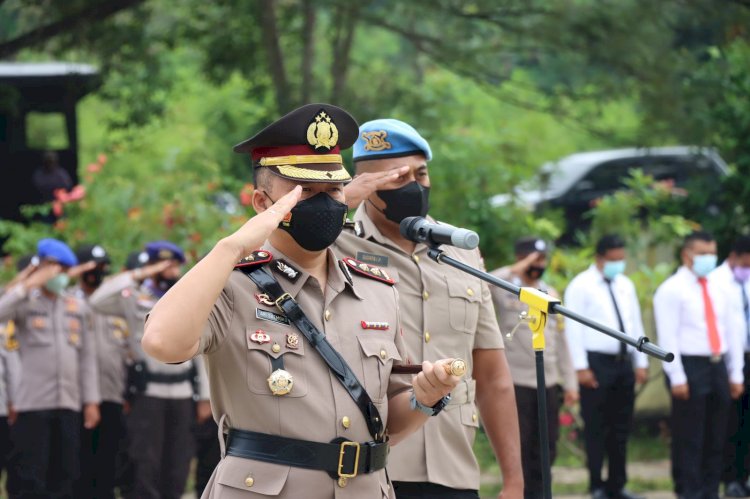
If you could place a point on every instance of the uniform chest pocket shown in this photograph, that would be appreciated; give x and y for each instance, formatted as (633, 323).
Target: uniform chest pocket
(117, 330)
(270, 350)
(464, 297)
(38, 330)
(379, 353)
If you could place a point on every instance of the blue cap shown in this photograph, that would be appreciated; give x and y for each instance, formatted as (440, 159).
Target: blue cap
(389, 138)
(164, 250)
(52, 249)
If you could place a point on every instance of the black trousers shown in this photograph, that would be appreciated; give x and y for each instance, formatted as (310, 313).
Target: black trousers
(99, 449)
(5, 444)
(426, 490)
(161, 446)
(699, 428)
(528, 421)
(737, 449)
(207, 453)
(608, 417)
(45, 458)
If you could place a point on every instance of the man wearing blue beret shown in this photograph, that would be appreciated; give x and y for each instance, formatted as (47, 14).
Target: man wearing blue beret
(445, 313)
(161, 395)
(58, 375)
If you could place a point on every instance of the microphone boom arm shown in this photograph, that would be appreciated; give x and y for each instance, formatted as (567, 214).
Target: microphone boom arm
(541, 304)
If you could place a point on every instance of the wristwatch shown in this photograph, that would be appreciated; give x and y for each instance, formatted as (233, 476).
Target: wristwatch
(430, 411)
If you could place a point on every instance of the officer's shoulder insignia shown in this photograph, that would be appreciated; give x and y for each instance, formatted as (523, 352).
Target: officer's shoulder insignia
(254, 259)
(286, 269)
(355, 227)
(367, 270)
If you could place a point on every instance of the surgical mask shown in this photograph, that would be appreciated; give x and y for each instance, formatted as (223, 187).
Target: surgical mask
(316, 222)
(535, 272)
(613, 269)
(57, 284)
(411, 200)
(741, 274)
(703, 264)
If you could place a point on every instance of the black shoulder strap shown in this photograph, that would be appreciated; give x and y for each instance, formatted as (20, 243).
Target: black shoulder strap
(269, 285)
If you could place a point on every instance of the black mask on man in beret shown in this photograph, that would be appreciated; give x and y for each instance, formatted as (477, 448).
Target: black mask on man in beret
(316, 222)
(95, 276)
(411, 200)
(535, 272)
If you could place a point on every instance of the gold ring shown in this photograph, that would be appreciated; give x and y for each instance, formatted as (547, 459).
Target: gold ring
(456, 368)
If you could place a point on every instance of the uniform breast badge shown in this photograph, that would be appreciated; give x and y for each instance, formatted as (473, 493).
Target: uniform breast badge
(292, 341)
(378, 326)
(280, 382)
(263, 299)
(260, 337)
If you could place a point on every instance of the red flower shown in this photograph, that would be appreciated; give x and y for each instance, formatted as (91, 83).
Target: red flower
(246, 195)
(566, 419)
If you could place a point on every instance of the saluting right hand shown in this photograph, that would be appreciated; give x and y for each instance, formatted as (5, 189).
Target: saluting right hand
(151, 270)
(41, 275)
(255, 231)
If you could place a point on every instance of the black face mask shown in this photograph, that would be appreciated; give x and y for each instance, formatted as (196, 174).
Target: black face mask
(94, 277)
(411, 200)
(316, 222)
(535, 272)
(164, 284)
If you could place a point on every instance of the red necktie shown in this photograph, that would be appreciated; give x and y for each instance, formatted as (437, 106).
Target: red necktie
(713, 333)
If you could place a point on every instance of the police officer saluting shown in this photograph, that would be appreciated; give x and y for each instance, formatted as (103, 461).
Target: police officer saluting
(58, 375)
(299, 345)
(99, 446)
(161, 395)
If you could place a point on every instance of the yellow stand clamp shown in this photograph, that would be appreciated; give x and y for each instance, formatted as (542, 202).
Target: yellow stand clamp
(539, 304)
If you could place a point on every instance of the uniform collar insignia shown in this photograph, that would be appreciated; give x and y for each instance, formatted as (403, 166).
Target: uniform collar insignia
(284, 268)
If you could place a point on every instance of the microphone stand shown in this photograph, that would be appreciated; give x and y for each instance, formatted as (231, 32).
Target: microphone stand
(540, 305)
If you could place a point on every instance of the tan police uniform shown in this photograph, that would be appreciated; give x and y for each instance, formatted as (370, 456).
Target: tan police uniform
(445, 313)
(558, 366)
(10, 371)
(359, 316)
(57, 350)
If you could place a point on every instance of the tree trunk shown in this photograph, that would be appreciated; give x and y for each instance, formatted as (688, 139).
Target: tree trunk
(308, 55)
(342, 44)
(274, 55)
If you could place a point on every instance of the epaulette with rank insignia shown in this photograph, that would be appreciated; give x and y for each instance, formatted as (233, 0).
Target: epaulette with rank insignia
(355, 227)
(254, 259)
(368, 270)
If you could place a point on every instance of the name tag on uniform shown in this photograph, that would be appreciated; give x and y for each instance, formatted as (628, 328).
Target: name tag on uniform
(379, 260)
(267, 315)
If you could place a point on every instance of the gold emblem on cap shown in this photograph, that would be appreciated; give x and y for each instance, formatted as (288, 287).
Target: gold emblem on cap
(280, 382)
(456, 368)
(375, 141)
(165, 254)
(322, 132)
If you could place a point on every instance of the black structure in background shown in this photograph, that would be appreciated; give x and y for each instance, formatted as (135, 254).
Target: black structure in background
(25, 88)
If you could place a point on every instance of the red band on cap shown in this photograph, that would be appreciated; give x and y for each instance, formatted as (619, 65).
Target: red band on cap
(298, 150)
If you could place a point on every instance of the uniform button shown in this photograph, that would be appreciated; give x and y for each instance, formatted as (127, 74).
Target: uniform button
(276, 348)
(383, 353)
(327, 315)
(469, 291)
(346, 422)
(249, 481)
(415, 258)
(425, 295)
(474, 417)
(342, 482)
(426, 337)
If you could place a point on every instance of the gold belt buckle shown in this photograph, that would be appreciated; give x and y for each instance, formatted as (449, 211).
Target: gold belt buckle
(342, 452)
(282, 298)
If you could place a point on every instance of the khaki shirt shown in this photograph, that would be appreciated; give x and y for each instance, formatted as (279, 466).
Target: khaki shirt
(111, 334)
(56, 348)
(445, 313)
(558, 366)
(318, 406)
(10, 367)
(122, 296)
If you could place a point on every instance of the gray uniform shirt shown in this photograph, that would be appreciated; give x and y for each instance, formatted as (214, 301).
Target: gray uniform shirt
(56, 349)
(10, 367)
(122, 296)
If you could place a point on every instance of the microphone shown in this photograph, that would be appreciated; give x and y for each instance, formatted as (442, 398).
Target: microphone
(419, 230)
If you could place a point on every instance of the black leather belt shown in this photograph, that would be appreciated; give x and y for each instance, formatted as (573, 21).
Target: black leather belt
(340, 458)
(169, 378)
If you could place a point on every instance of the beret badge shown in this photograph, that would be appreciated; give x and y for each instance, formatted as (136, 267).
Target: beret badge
(375, 141)
(322, 132)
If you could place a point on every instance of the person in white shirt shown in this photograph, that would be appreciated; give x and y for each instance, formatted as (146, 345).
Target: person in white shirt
(701, 323)
(605, 367)
(734, 273)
